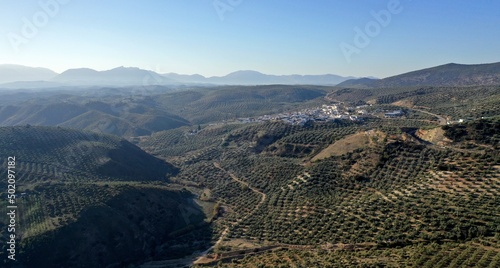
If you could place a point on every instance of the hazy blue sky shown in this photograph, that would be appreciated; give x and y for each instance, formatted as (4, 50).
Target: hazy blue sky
(276, 37)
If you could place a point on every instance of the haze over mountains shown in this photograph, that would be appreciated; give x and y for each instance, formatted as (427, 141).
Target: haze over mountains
(16, 76)
(452, 74)
(10, 73)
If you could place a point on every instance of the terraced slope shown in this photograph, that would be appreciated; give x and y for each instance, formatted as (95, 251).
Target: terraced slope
(396, 192)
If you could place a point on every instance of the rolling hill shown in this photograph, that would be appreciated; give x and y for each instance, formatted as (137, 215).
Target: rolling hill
(357, 83)
(231, 102)
(130, 115)
(451, 74)
(127, 225)
(117, 118)
(59, 154)
(94, 195)
(82, 194)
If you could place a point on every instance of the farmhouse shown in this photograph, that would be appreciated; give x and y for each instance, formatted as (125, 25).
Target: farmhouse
(394, 114)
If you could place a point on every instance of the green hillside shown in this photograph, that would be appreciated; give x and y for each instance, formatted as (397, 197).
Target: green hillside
(390, 191)
(106, 123)
(83, 194)
(451, 102)
(128, 115)
(479, 253)
(451, 74)
(231, 102)
(121, 117)
(419, 189)
(119, 225)
(59, 154)
(40, 114)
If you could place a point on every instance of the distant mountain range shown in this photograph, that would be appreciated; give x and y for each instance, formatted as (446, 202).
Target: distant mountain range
(451, 74)
(255, 78)
(120, 76)
(16, 76)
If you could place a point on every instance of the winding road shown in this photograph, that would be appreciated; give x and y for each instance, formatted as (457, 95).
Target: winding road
(264, 196)
(442, 120)
(227, 229)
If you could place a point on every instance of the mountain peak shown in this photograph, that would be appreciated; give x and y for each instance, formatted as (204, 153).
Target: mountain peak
(75, 70)
(246, 72)
(119, 76)
(13, 73)
(126, 68)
